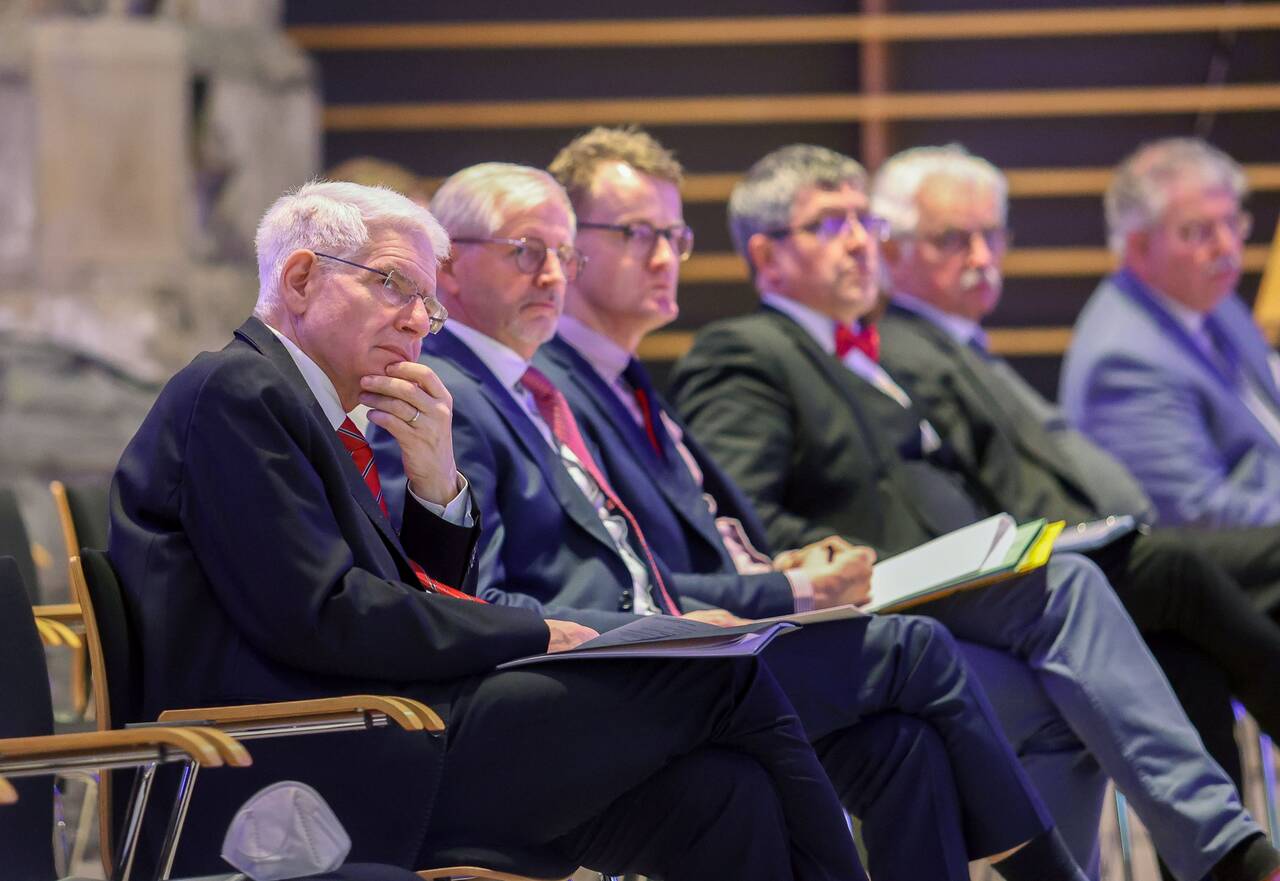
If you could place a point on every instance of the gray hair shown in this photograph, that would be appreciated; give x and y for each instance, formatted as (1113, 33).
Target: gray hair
(897, 184)
(478, 200)
(338, 218)
(1140, 190)
(762, 200)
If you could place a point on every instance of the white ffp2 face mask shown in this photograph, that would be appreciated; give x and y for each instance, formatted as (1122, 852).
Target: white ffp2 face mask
(285, 831)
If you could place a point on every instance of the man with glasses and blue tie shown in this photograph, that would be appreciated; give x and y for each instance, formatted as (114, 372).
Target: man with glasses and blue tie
(1167, 369)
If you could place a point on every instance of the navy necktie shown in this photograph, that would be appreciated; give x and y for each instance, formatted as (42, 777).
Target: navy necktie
(647, 399)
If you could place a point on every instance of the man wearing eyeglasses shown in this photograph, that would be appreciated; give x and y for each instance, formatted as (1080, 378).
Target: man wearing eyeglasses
(1186, 590)
(794, 405)
(1167, 370)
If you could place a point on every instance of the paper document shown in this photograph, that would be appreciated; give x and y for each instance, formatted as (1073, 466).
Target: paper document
(663, 636)
(969, 556)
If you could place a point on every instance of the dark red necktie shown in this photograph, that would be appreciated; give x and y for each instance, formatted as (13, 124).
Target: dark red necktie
(362, 455)
(866, 340)
(555, 411)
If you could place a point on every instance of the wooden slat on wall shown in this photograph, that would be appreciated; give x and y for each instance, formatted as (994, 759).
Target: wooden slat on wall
(772, 109)
(789, 29)
(1019, 263)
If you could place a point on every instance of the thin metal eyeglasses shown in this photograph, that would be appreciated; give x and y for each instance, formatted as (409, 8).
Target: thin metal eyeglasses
(837, 224)
(531, 254)
(399, 292)
(645, 235)
(1201, 232)
(959, 242)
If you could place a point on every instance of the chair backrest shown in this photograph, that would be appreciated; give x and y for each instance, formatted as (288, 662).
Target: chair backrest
(26, 710)
(114, 668)
(16, 542)
(83, 513)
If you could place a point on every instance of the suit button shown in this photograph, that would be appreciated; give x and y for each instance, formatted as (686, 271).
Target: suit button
(625, 603)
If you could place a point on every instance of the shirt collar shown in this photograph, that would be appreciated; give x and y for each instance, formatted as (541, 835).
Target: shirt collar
(1189, 318)
(607, 357)
(959, 328)
(502, 361)
(322, 387)
(820, 327)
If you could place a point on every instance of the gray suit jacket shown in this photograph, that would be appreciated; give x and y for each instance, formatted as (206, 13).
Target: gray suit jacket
(1136, 382)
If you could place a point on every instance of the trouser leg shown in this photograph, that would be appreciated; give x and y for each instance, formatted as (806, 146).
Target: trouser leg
(1064, 772)
(1065, 621)
(1249, 554)
(838, 673)
(536, 753)
(1168, 585)
(709, 814)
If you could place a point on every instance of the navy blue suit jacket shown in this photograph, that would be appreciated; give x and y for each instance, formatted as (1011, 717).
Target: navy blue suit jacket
(542, 545)
(663, 496)
(257, 567)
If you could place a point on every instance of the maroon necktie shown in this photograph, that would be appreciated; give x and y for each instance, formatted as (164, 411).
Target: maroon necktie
(362, 455)
(866, 340)
(555, 412)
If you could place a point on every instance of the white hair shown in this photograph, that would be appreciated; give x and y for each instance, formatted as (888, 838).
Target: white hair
(897, 184)
(478, 200)
(336, 218)
(1142, 185)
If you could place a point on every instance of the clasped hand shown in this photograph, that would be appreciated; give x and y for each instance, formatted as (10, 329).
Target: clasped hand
(415, 408)
(839, 571)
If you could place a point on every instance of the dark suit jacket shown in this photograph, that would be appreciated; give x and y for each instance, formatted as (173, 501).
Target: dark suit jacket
(542, 545)
(257, 567)
(1021, 448)
(818, 449)
(663, 496)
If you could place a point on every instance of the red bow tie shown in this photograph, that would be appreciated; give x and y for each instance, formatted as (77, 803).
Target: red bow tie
(866, 340)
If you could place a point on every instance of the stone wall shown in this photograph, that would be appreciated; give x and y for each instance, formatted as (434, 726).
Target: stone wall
(140, 144)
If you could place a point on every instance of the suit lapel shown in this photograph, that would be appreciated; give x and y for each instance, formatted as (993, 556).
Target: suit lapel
(521, 426)
(261, 338)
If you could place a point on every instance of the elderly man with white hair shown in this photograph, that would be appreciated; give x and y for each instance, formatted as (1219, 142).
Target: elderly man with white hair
(259, 564)
(1167, 369)
(946, 210)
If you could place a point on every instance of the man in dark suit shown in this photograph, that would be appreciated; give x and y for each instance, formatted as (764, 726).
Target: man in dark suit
(795, 408)
(946, 209)
(1167, 370)
(259, 564)
(909, 742)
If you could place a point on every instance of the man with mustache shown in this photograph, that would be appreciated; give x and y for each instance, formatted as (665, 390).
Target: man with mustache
(1167, 370)
(794, 406)
(946, 210)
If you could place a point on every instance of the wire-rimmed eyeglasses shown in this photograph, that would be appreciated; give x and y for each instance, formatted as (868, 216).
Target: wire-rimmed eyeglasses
(399, 291)
(530, 253)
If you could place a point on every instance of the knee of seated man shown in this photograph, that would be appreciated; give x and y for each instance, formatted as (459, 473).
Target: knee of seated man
(925, 640)
(712, 785)
(1072, 582)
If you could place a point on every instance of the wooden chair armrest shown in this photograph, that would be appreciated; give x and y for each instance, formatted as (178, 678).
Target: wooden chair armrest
(207, 746)
(476, 872)
(409, 714)
(8, 795)
(66, 613)
(55, 633)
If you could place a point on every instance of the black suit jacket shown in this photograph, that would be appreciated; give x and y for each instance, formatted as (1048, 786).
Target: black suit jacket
(817, 448)
(257, 567)
(663, 496)
(1027, 457)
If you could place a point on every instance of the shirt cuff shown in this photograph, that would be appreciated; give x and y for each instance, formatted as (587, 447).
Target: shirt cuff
(457, 512)
(801, 589)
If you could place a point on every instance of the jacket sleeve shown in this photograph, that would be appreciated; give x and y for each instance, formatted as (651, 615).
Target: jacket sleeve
(258, 515)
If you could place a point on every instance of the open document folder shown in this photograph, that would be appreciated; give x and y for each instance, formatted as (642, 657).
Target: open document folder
(977, 555)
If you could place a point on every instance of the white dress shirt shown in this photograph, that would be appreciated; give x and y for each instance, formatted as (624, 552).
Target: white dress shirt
(609, 360)
(822, 329)
(457, 511)
(509, 368)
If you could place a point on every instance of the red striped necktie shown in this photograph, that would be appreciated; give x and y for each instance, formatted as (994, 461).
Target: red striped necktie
(362, 455)
(555, 411)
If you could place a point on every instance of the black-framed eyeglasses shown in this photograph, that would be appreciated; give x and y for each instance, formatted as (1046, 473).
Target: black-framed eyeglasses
(836, 224)
(530, 254)
(399, 292)
(645, 235)
(959, 242)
